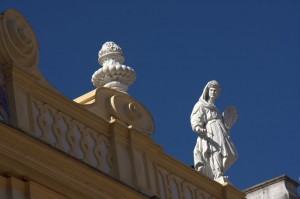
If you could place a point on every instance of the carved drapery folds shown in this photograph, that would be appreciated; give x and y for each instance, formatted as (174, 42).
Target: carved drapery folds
(18, 43)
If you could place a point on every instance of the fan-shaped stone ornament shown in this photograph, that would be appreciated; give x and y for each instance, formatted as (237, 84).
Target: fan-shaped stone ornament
(18, 43)
(230, 116)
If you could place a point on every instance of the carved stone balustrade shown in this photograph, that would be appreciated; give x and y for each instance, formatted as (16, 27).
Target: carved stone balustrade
(99, 146)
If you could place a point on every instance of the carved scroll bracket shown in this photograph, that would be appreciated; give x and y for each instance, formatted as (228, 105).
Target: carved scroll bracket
(18, 44)
(108, 103)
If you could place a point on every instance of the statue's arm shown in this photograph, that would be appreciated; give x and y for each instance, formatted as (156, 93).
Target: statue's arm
(197, 120)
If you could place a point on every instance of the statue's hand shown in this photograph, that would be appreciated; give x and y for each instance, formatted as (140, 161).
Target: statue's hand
(201, 131)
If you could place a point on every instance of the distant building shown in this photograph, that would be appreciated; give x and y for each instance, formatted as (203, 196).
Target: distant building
(97, 146)
(281, 187)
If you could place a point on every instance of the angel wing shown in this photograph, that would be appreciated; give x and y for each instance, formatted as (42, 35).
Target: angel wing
(230, 116)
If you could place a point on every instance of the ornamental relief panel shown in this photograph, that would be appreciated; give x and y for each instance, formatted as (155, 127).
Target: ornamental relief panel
(174, 187)
(70, 136)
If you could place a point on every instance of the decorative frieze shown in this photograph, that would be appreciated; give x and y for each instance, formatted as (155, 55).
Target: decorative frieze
(173, 187)
(71, 136)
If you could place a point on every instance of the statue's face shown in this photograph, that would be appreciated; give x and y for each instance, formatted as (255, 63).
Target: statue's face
(213, 93)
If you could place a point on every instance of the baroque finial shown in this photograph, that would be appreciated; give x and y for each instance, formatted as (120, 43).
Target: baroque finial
(113, 73)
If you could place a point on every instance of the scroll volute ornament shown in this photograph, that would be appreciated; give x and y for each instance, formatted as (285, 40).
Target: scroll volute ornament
(108, 102)
(18, 44)
(132, 113)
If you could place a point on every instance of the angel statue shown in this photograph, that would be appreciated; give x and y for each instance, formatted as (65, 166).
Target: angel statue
(214, 152)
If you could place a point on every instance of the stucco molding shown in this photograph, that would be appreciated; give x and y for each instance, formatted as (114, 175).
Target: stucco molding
(25, 156)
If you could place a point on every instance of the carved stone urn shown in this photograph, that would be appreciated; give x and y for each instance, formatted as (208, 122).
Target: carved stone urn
(113, 73)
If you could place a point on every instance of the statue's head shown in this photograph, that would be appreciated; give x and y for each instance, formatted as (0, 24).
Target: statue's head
(212, 90)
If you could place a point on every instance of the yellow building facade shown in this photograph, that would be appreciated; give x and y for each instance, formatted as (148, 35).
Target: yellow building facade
(97, 146)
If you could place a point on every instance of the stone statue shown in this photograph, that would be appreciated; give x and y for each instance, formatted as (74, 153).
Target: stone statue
(214, 152)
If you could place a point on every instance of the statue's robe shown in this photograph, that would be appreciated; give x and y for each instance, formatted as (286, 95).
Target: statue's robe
(214, 152)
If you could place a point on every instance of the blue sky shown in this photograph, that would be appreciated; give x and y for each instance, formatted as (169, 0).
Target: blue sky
(252, 48)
